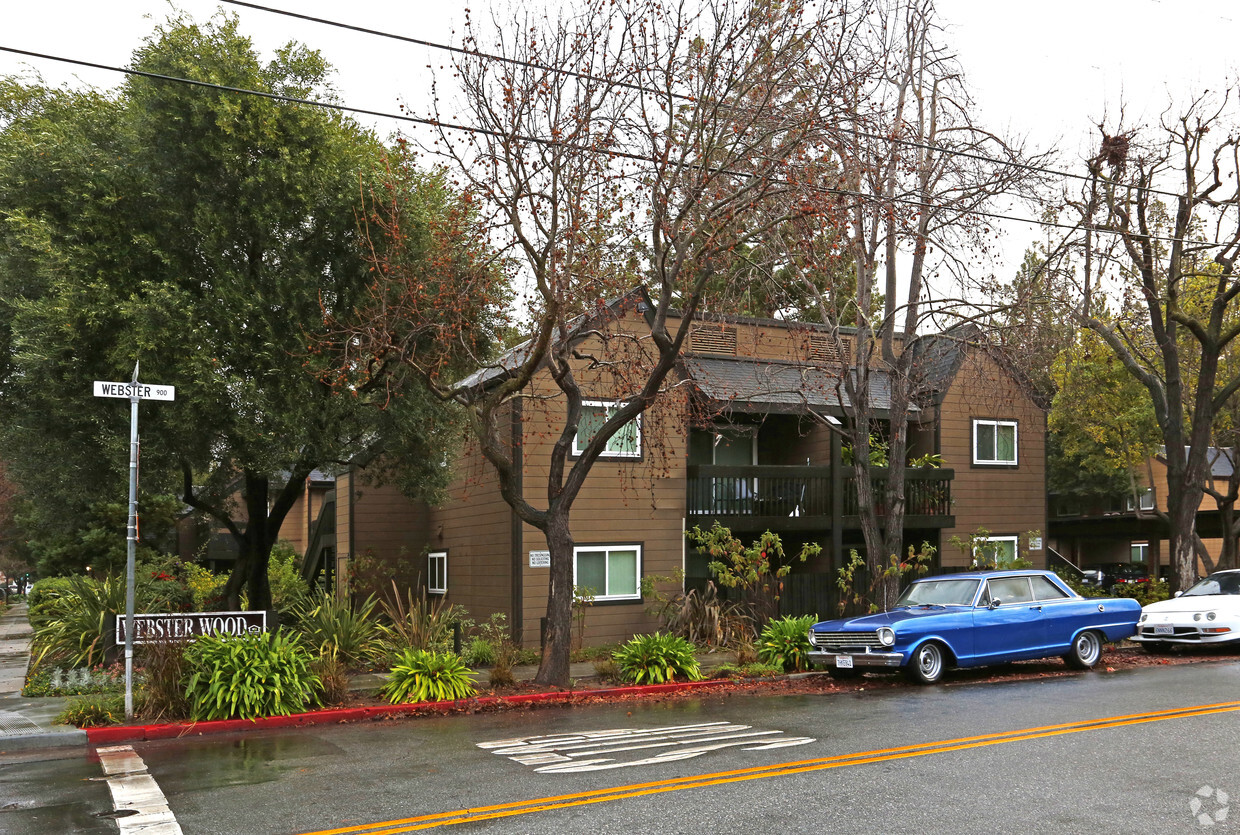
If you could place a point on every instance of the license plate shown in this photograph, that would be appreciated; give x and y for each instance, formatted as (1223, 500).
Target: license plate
(843, 662)
(1164, 630)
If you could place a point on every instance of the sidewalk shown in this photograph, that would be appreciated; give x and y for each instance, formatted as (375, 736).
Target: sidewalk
(26, 723)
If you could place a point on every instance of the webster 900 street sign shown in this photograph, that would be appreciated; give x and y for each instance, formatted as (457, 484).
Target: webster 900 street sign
(142, 391)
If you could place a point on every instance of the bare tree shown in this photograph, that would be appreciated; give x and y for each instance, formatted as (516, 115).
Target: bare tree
(1160, 220)
(913, 172)
(631, 144)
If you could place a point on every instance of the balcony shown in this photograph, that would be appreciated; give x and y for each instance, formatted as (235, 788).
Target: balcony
(804, 498)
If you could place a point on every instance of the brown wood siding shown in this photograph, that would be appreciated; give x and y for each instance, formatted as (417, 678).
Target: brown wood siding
(623, 501)
(474, 527)
(1005, 500)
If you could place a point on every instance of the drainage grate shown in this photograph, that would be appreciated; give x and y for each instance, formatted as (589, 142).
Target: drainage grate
(13, 724)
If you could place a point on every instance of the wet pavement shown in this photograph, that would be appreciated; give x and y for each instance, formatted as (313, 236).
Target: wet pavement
(26, 723)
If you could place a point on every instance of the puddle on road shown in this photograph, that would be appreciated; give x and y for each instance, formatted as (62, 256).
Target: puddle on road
(218, 762)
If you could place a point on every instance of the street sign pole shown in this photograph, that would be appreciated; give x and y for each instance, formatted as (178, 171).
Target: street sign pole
(131, 549)
(134, 392)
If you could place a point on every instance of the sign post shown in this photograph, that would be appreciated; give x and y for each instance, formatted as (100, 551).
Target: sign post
(134, 391)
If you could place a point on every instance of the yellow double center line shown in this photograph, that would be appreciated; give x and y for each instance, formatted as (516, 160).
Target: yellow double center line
(564, 801)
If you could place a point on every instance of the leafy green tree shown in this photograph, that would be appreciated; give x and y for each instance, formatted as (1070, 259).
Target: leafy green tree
(205, 233)
(1103, 428)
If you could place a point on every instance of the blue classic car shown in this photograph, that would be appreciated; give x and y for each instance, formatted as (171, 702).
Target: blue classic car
(969, 620)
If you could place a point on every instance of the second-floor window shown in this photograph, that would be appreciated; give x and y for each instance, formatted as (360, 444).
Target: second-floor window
(626, 443)
(1145, 501)
(994, 442)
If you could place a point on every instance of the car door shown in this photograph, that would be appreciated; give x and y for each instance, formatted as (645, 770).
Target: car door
(1013, 628)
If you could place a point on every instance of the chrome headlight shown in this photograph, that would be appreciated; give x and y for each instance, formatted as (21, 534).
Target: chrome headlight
(1211, 615)
(886, 636)
(1196, 615)
(1143, 617)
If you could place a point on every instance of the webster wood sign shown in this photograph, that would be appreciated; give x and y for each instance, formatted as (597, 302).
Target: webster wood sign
(149, 629)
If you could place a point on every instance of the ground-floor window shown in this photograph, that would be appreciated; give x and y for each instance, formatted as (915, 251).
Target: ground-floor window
(1139, 552)
(997, 551)
(437, 572)
(609, 572)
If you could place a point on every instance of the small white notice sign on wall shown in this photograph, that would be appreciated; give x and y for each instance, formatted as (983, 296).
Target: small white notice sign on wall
(1035, 543)
(540, 559)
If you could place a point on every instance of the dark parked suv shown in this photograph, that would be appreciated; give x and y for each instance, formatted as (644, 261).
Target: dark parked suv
(1109, 574)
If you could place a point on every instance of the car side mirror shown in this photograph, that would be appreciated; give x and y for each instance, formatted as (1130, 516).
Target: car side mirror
(1177, 594)
(994, 604)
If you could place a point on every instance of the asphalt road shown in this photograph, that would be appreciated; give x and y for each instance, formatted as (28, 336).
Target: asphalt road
(1093, 753)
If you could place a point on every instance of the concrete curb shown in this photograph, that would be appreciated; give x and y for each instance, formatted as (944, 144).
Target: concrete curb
(144, 733)
(17, 743)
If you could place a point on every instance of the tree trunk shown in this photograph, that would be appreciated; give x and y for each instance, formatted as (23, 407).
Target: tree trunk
(1182, 516)
(553, 670)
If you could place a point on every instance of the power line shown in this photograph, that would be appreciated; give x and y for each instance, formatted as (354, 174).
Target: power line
(914, 204)
(636, 87)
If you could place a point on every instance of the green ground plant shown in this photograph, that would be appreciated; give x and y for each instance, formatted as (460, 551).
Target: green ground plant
(415, 622)
(81, 681)
(657, 659)
(428, 676)
(93, 711)
(755, 670)
(267, 674)
(784, 643)
(349, 633)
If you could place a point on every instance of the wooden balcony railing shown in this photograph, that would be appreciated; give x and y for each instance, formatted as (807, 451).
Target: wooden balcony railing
(804, 493)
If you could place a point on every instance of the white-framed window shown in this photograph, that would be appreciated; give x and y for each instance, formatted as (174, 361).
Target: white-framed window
(610, 572)
(626, 443)
(997, 551)
(437, 572)
(994, 442)
(1145, 500)
(1139, 552)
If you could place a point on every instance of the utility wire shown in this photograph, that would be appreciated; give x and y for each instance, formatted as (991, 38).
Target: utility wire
(638, 88)
(915, 204)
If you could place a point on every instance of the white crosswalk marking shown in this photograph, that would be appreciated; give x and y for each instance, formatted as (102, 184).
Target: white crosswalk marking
(134, 789)
(568, 752)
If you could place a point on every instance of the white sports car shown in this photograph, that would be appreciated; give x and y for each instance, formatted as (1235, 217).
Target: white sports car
(1207, 613)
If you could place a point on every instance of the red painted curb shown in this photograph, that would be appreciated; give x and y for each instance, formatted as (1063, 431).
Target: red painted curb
(141, 733)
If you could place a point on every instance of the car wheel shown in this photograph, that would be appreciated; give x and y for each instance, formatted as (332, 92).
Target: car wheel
(1085, 652)
(926, 664)
(1155, 647)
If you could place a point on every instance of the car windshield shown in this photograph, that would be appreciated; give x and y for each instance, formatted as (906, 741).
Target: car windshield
(939, 593)
(1215, 584)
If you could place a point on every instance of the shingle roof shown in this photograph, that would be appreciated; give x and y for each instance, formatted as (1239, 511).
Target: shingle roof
(773, 386)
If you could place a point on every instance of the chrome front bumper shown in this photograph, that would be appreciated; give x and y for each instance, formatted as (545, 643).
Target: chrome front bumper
(859, 659)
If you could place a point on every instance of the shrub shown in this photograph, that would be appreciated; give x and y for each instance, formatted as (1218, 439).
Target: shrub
(72, 625)
(745, 671)
(163, 671)
(82, 681)
(338, 628)
(93, 711)
(418, 623)
(608, 670)
(43, 594)
(785, 643)
(267, 674)
(657, 658)
(288, 590)
(1143, 593)
(479, 653)
(333, 678)
(426, 676)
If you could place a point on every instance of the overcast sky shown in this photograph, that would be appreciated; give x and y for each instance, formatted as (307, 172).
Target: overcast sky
(1049, 71)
